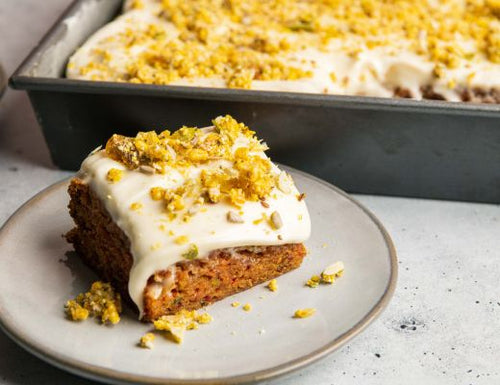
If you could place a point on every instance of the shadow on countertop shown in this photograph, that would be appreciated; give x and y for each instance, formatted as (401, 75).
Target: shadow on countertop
(19, 367)
(20, 135)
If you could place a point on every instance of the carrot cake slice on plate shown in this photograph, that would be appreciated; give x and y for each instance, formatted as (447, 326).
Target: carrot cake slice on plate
(180, 220)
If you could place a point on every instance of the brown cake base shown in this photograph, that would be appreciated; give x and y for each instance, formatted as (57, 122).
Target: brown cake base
(473, 95)
(189, 285)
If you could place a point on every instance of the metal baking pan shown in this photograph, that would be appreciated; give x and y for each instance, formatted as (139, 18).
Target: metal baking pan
(429, 149)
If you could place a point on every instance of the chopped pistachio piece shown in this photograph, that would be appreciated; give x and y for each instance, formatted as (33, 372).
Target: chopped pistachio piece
(146, 169)
(234, 217)
(135, 206)
(75, 311)
(182, 239)
(273, 285)
(313, 281)
(101, 301)
(276, 220)
(192, 252)
(304, 313)
(332, 272)
(114, 175)
(284, 183)
(178, 323)
(147, 341)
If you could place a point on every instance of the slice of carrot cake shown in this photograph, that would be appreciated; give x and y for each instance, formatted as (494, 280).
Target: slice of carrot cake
(180, 220)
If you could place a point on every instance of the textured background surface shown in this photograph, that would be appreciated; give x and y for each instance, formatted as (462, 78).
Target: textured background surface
(442, 327)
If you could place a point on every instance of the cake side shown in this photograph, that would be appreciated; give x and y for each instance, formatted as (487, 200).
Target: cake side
(225, 272)
(98, 241)
(179, 196)
(189, 285)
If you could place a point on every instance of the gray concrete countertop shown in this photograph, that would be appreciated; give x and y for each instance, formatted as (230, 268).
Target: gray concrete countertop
(442, 326)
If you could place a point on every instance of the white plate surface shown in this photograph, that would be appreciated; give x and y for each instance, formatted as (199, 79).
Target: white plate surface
(39, 273)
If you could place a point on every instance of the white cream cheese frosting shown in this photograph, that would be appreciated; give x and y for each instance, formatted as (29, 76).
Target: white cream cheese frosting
(159, 240)
(356, 63)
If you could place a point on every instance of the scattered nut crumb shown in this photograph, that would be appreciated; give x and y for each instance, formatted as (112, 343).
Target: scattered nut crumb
(284, 182)
(114, 175)
(313, 281)
(100, 301)
(146, 169)
(75, 311)
(328, 275)
(234, 217)
(191, 253)
(304, 313)
(182, 239)
(204, 318)
(247, 307)
(147, 341)
(273, 285)
(157, 193)
(235, 304)
(178, 323)
(332, 272)
(135, 206)
(276, 220)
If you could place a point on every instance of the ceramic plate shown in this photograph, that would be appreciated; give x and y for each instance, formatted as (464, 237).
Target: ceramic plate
(39, 272)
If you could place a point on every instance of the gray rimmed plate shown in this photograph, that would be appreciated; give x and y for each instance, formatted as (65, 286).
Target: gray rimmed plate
(39, 273)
